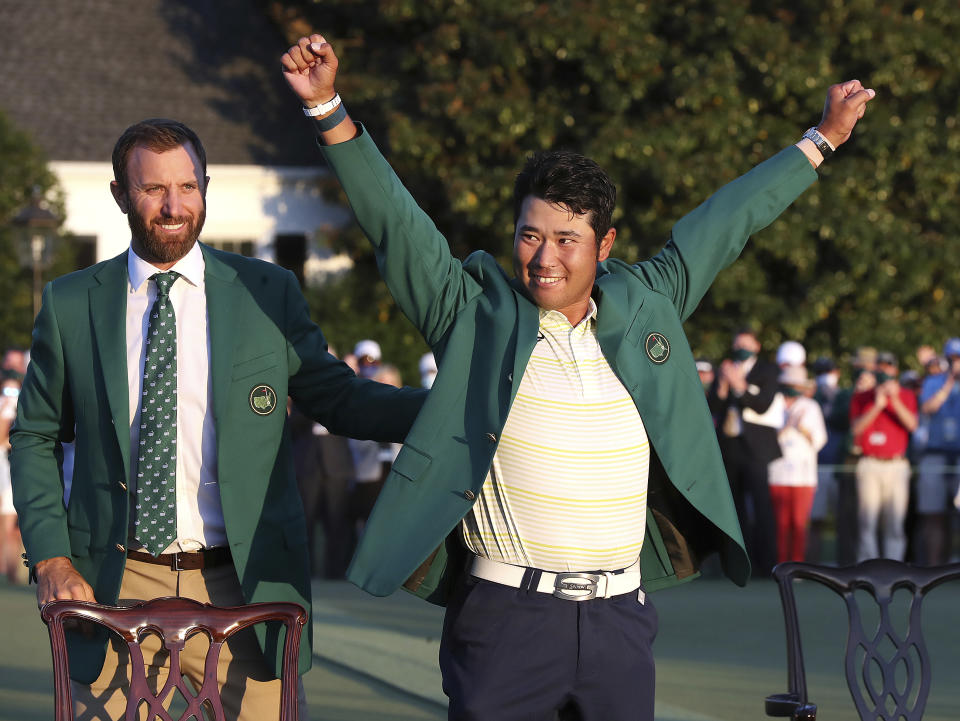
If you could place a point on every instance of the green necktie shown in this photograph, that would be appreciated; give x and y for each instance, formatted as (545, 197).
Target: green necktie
(156, 524)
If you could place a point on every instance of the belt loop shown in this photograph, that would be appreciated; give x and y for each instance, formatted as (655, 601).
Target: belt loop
(531, 579)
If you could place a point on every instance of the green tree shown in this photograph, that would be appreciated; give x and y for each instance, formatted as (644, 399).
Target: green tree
(674, 99)
(23, 173)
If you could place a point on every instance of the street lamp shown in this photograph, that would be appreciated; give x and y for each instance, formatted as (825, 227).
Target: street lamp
(34, 232)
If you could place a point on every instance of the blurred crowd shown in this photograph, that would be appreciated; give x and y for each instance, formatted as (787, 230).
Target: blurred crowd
(826, 464)
(12, 369)
(839, 465)
(340, 478)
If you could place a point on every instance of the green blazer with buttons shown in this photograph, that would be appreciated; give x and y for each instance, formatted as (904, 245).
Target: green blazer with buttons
(76, 388)
(482, 329)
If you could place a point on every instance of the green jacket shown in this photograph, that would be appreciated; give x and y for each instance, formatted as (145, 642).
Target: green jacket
(76, 387)
(483, 329)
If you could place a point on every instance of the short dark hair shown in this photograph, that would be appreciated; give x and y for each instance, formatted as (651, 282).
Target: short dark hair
(157, 134)
(562, 177)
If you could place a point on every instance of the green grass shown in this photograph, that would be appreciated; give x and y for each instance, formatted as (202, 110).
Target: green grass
(720, 651)
(334, 693)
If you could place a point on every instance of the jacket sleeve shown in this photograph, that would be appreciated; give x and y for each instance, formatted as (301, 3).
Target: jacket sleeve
(44, 420)
(712, 236)
(327, 390)
(762, 386)
(428, 283)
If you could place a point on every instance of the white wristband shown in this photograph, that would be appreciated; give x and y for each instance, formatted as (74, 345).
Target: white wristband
(323, 108)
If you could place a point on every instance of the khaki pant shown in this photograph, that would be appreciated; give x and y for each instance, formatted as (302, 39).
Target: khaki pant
(249, 691)
(883, 494)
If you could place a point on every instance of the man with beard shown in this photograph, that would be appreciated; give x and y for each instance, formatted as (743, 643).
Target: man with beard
(170, 365)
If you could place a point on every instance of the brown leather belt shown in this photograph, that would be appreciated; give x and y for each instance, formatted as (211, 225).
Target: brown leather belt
(193, 561)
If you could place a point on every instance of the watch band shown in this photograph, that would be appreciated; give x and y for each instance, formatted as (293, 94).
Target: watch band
(823, 145)
(332, 120)
(323, 108)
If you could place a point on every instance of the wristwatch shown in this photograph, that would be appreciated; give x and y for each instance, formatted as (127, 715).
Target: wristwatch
(823, 145)
(323, 108)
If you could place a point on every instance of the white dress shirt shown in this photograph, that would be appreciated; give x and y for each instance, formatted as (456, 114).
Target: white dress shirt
(199, 513)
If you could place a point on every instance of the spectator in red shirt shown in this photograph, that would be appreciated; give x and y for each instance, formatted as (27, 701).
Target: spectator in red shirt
(882, 420)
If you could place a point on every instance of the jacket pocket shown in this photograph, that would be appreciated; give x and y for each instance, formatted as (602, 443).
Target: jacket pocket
(411, 463)
(247, 368)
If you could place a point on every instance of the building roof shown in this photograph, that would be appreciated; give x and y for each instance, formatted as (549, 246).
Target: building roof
(75, 73)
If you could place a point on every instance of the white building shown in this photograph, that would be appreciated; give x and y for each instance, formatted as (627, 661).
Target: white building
(75, 73)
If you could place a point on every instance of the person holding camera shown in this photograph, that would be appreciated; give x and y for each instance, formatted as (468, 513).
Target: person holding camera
(937, 476)
(882, 419)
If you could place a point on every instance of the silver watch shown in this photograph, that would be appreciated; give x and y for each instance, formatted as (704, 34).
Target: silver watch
(823, 145)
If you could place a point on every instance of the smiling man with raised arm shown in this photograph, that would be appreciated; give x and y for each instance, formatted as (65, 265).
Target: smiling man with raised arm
(565, 462)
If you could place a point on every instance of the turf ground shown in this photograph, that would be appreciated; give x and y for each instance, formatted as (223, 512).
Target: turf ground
(720, 651)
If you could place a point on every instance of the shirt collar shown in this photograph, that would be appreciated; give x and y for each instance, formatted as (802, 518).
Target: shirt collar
(554, 317)
(191, 267)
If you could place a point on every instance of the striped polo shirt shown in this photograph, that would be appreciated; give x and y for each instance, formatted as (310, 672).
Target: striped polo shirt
(567, 490)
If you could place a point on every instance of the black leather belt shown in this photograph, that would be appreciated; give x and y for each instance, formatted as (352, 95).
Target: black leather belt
(192, 561)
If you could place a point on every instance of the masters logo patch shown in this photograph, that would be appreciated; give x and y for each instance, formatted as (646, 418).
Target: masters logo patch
(657, 347)
(263, 400)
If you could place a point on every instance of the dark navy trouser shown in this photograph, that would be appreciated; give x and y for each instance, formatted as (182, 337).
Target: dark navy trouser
(515, 655)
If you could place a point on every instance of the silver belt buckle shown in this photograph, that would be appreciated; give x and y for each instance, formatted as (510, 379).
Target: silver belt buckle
(576, 586)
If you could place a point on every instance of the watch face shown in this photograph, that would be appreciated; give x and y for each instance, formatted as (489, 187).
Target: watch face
(821, 142)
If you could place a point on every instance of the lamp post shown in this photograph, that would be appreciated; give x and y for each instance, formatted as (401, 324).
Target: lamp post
(35, 229)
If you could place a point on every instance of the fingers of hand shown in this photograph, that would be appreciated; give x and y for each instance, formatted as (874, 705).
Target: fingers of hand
(294, 62)
(305, 54)
(307, 48)
(850, 87)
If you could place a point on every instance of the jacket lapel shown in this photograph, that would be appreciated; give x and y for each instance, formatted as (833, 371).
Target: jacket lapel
(619, 317)
(224, 296)
(110, 335)
(528, 324)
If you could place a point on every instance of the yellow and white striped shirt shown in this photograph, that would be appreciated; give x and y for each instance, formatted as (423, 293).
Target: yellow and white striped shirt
(567, 490)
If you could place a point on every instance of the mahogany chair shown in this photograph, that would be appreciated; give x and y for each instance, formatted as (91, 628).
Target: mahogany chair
(887, 668)
(174, 620)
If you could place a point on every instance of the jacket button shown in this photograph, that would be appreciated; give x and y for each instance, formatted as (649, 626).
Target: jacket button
(510, 377)
(121, 548)
(123, 486)
(469, 495)
(492, 438)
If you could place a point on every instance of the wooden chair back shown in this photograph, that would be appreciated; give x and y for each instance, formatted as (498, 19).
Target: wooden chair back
(174, 620)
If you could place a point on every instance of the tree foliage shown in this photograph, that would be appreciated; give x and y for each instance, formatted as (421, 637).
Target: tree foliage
(23, 175)
(674, 99)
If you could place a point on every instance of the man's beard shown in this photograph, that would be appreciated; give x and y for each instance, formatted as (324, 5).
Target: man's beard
(154, 247)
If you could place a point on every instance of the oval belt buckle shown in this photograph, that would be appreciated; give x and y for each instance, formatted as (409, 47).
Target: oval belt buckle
(576, 586)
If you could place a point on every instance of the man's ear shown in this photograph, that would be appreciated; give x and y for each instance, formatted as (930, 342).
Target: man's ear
(606, 244)
(119, 196)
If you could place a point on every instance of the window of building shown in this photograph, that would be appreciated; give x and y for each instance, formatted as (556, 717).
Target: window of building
(243, 247)
(291, 253)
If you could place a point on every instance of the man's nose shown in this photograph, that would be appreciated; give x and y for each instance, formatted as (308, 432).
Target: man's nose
(546, 255)
(173, 204)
